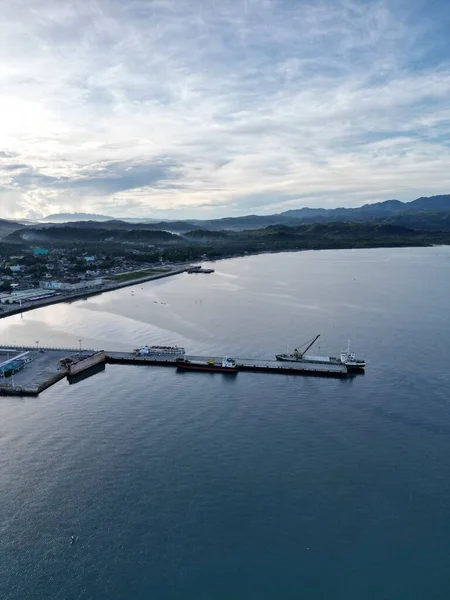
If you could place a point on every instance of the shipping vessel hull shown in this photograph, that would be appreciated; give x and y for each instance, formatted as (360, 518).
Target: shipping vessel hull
(197, 366)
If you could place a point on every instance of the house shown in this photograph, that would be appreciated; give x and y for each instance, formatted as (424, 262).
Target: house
(40, 252)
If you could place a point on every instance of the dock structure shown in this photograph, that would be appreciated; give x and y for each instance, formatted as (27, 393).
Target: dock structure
(243, 364)
(48, 365)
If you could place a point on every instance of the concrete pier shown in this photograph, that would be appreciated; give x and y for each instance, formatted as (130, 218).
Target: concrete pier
(42, 371)
(244, 364)
(49, 365)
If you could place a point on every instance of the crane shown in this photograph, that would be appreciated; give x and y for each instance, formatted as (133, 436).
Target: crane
(310, 343)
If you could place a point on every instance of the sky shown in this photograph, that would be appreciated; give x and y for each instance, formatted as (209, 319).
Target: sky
(209, 108)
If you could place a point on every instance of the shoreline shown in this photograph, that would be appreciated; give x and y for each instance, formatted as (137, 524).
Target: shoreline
(116, 286)
(88, 293)
(295, 251)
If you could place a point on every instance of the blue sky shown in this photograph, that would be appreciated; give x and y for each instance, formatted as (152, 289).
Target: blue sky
(206, 108)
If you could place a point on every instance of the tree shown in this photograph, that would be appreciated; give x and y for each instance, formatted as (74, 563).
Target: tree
(5, 286)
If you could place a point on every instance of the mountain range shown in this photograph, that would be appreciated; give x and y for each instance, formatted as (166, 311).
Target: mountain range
(388, 208)
(423, 214)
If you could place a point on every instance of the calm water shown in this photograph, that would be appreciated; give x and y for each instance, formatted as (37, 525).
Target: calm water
(202, 487)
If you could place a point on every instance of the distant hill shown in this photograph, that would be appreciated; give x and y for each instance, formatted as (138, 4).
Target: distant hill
(7, 227)
(68, 217)
(74, 217)
(377, 209)
(116, 224)
(426, 213)
(370, 233)
(62, 234)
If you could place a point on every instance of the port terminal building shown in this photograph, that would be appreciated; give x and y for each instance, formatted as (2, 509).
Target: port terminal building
(22, 296)
(71, 285)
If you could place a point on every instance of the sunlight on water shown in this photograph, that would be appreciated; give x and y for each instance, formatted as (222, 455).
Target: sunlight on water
(197, 486)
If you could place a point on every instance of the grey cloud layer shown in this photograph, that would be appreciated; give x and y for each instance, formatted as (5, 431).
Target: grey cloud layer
(158, 107)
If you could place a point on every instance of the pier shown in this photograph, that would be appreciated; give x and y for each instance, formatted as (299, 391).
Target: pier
(44, 366)
(244, 364)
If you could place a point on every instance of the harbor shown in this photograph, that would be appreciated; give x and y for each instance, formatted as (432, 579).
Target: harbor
(29, 370)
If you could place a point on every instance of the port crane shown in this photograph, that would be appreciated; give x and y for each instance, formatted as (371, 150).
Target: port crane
(308, 345)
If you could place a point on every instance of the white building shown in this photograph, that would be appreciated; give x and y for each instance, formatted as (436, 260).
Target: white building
(20, 296)
(16, 268)
(71, 286)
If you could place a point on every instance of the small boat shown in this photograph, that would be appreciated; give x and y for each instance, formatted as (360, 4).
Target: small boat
(227, 365)
(346, 357)
(199, 270)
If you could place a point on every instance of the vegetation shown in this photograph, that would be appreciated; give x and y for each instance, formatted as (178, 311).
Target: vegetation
(423, 222)
(134, 246)
(5, 286)
(137, 274)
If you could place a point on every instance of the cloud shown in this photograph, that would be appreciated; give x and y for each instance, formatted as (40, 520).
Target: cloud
(14, 167)
(173, 108)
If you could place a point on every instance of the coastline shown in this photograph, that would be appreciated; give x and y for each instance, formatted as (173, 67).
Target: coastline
(110, 287)
(329, 248)
(118, 285)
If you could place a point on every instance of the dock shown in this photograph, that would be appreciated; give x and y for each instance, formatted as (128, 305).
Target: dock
(244, 364)
(44, 366)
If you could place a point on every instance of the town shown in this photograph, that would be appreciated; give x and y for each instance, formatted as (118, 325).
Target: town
(44, 275)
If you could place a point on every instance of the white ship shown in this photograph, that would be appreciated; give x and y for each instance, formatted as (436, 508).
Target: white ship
(160, 350)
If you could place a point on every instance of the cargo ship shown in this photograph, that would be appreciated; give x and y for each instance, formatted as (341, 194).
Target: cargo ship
(346, 357)
(159, 351)
(227, 365)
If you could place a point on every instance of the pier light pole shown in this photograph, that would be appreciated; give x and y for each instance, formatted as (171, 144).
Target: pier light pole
(37, 345)
(80, 345)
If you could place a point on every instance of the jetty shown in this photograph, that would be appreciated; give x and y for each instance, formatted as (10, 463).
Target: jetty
(28, 370)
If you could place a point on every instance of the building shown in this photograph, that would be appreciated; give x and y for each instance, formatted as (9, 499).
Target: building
(72, 285)
(40, 252)
(12, 365)
(22, 296)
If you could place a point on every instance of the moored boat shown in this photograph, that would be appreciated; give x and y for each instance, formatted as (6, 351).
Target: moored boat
(227, 365)
(346, 357)
(159, 350)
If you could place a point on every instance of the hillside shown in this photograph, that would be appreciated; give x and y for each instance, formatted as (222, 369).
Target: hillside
(414, 221)
(202, 243)
(70, 217)
(433, 204)
(7, 227)
(426, 212)
(72, 234)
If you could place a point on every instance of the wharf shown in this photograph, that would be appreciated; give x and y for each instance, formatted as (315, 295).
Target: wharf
(244, 364)
(49, 365)
(42, 371)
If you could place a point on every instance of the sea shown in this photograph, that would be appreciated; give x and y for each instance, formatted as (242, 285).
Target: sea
(204, 486)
